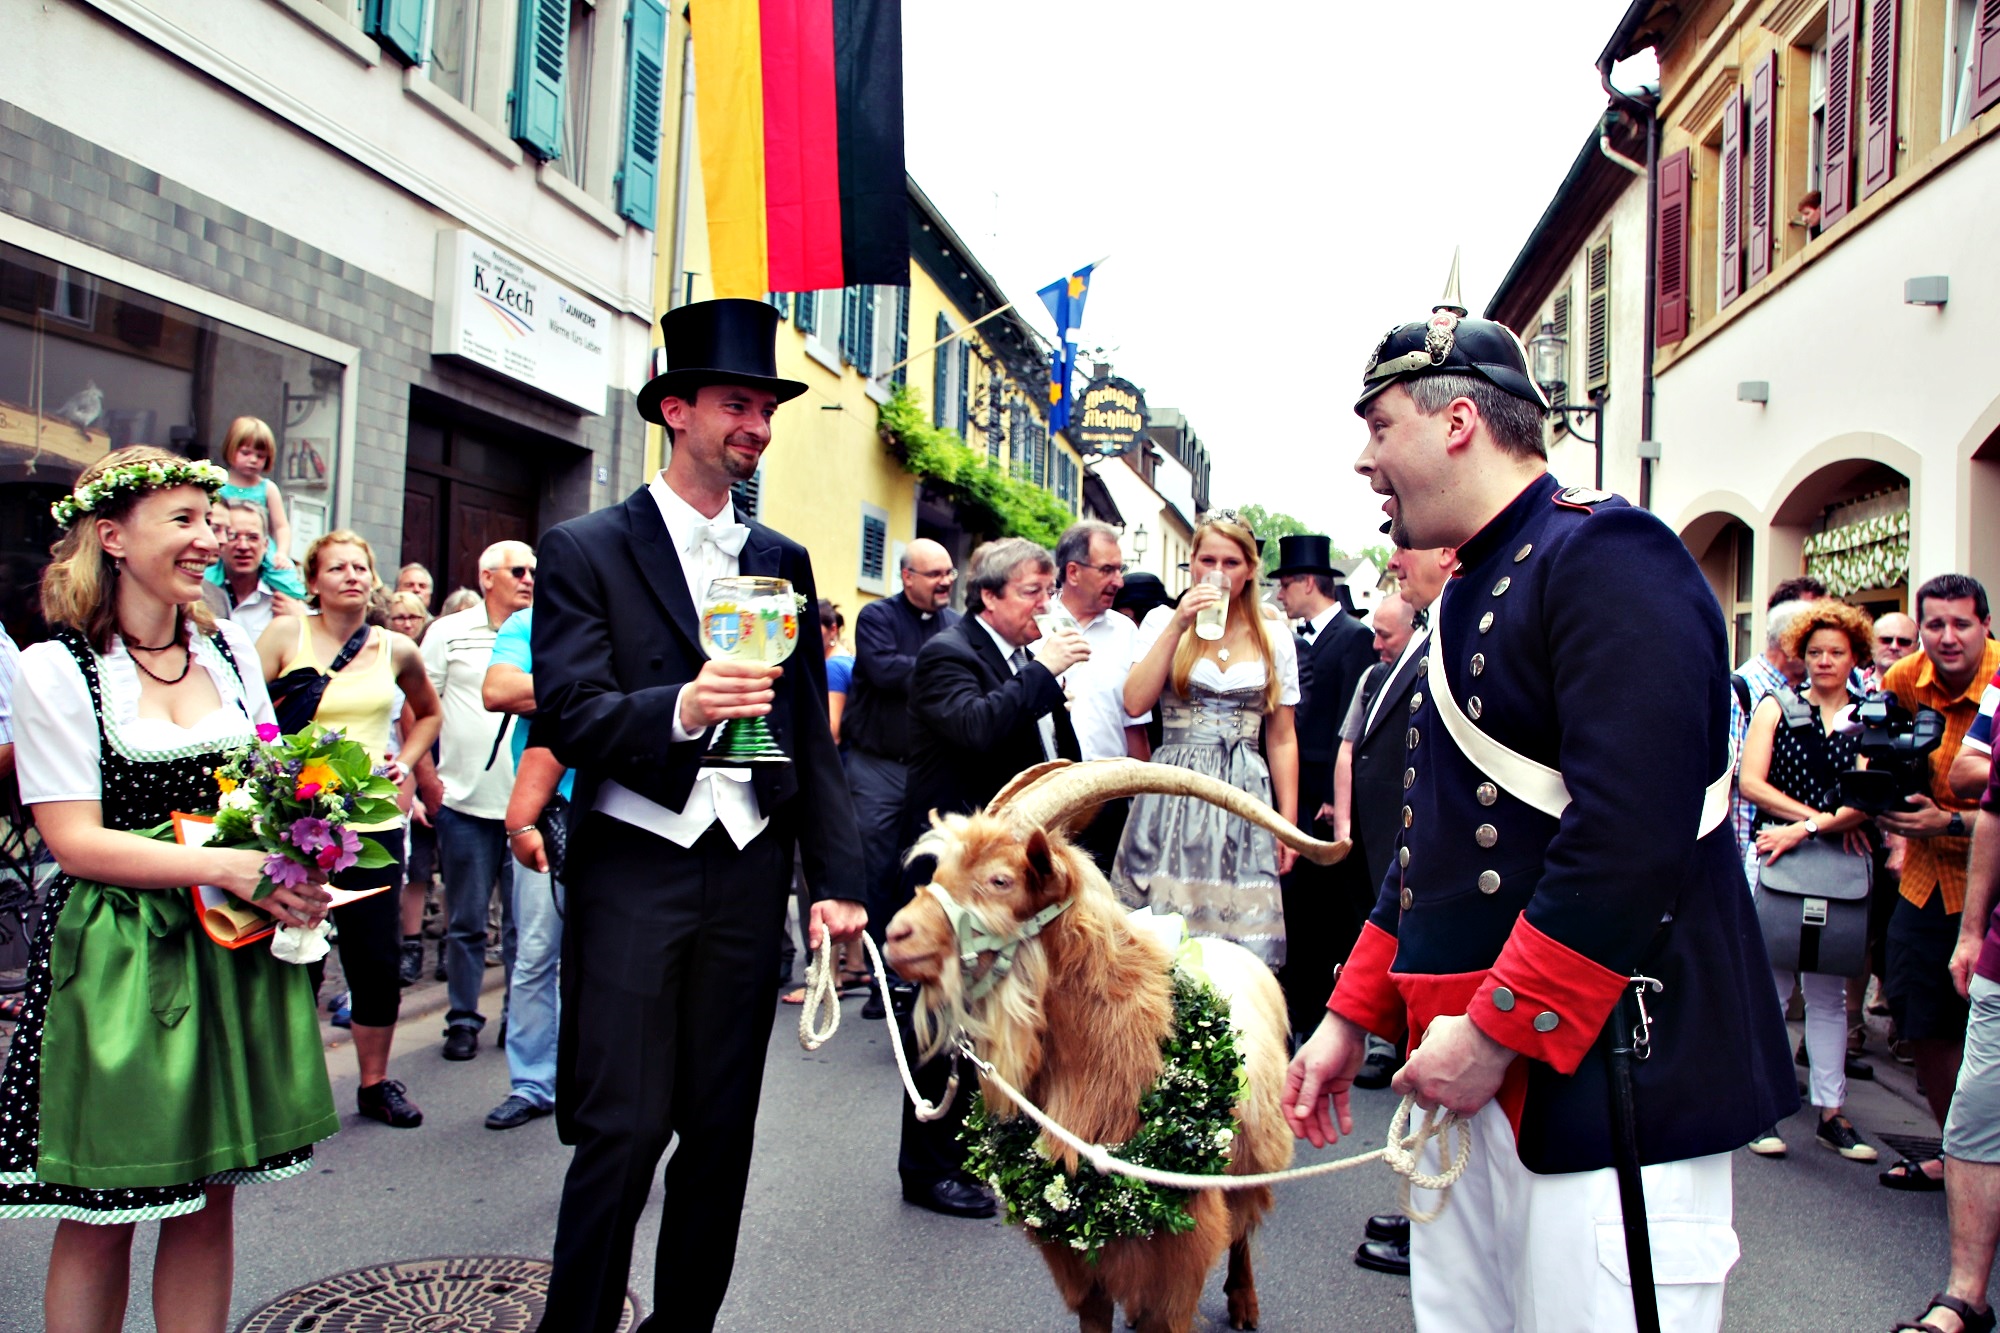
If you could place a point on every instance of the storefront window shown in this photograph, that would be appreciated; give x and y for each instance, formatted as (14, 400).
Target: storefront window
(88, 365)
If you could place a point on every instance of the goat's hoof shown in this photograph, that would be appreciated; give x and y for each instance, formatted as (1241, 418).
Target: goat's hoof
(1243, 1309)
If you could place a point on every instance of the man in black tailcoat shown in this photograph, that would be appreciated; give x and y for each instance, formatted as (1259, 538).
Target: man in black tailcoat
(984, 707)
(1324, 905)
(679, 873)
(1555, 842)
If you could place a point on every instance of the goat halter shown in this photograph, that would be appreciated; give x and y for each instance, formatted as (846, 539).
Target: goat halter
(974, 938)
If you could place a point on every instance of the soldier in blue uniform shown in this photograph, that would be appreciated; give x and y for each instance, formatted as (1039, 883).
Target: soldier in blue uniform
(1566, 784)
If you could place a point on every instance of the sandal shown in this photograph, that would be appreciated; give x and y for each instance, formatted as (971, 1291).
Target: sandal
(856, 983)
(1909, 1175)
(796, 995)
(1973, 1321)
(13, 1007)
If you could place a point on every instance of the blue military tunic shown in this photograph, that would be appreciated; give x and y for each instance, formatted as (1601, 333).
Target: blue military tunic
(1580, 634)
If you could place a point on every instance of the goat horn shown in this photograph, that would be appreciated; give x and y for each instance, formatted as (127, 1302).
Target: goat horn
(1064, 795)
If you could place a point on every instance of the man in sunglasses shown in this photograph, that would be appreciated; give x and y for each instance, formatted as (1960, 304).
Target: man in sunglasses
(1895, 639)
(476, 768)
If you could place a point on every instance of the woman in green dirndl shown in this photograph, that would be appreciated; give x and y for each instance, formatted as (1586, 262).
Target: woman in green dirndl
(153, 1070)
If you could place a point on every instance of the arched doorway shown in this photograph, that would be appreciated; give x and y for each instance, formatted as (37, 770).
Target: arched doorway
(1725, 547)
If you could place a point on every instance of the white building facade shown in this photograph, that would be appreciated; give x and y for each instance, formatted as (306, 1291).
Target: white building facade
(412, 235)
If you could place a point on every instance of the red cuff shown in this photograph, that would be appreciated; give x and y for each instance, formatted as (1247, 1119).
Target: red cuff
(1364, 994)
(1544, 999)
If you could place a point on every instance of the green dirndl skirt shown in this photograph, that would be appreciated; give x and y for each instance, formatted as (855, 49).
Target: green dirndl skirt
(152, 1061)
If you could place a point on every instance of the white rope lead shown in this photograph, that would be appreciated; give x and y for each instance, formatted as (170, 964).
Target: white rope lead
(823, 997)
(1401, 1153)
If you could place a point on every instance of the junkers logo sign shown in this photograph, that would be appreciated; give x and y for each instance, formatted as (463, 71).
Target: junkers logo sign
(1109, 417)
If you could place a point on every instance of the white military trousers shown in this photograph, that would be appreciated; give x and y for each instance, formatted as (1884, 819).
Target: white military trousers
(1516, 1252)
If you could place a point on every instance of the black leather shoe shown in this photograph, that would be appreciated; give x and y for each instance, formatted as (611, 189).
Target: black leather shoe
(872, 1010)
(1384, 1257)
(1392, 1227)
(461, 1042)
(951, 1197)
(514, 1112)
(385, 1101)
(1376, 1072)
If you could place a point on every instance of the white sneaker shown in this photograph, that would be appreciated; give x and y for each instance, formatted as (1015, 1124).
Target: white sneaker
(1767, 1144)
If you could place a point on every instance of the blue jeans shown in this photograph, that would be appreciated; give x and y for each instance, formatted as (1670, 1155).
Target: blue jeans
(531, 986)
(472, 856)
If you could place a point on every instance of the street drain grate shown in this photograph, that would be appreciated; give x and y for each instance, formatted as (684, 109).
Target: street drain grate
(1913, 1146)
(471, 1294)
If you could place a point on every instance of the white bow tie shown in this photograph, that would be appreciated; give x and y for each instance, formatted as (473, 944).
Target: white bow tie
(728, 537)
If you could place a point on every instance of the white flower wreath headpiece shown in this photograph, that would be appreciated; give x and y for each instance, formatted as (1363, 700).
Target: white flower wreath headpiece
(132, 478)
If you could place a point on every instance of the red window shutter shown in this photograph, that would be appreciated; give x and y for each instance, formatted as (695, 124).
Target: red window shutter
(1760, 155)
(1731, 195)
(1836, 189)
(1986, 65)
(1670, 292)
(1879, 134)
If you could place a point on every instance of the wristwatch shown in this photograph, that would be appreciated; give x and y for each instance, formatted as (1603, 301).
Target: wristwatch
(1812, 828)
(1955, 829)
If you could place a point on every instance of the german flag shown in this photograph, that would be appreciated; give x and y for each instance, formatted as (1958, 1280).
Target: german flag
(799, 104)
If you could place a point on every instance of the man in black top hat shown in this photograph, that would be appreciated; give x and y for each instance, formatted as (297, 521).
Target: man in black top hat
(1324, 905)
(1554, 843)
(679, 874)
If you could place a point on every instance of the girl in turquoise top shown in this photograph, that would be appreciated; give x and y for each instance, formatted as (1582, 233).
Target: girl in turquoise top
(248, 451)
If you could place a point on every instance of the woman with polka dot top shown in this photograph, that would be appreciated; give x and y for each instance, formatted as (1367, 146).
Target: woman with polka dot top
(154, 1070)
(1791, 774)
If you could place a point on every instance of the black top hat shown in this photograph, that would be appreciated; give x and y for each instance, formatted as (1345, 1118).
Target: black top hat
(1141, 592)
(731, 341)
(1305, 553)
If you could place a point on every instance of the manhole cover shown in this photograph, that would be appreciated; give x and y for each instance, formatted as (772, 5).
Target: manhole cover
(474, 1294)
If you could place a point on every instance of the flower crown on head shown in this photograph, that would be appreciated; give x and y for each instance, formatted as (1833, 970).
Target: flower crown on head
(1227, 516)
(133, 478)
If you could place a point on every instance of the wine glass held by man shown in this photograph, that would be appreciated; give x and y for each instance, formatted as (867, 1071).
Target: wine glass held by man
(173, 1020)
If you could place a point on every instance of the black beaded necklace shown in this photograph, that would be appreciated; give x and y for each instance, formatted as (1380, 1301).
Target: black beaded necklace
(186, 662)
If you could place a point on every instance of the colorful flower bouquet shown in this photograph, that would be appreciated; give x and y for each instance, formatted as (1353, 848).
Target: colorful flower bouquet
(293, 798)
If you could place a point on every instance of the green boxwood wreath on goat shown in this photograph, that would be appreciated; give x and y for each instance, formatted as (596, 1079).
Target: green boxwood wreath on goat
(1186, 1123)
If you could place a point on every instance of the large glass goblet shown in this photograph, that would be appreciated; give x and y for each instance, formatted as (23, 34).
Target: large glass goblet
(748, 619)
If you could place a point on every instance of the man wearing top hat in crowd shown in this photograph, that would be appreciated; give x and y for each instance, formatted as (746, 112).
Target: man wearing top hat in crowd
(679, 874)
(1324, 905)
(1556, 843)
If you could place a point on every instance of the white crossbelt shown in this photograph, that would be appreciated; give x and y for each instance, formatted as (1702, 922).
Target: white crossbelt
(1536, 784)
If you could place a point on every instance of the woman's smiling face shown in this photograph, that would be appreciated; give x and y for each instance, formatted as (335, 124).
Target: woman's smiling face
(164, 542)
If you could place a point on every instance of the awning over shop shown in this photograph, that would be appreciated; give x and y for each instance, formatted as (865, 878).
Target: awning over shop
(1871, 553)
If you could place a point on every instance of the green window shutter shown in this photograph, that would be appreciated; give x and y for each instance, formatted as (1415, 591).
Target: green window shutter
(399, 26)
(780, 302)
(941, 374)
(902, 375)
(864, 350)
(541, 51)
(645, 63)
(874, 547)
(850, 328)
(807, 316)
(962, 414)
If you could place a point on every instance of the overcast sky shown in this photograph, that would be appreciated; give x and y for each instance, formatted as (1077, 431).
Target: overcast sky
(1276, 185)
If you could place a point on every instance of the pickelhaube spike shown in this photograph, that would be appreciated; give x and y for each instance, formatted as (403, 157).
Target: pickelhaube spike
(1452, 300)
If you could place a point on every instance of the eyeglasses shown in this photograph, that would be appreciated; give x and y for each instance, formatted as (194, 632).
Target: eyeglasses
(1028, 592)
(1108, 571)
(1895, 641)
(940, 575)
(520, 571)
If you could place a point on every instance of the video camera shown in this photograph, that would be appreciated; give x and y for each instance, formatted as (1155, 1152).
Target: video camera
(1897, 746)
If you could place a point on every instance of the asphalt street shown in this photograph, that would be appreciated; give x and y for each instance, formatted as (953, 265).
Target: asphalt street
(827, 1242)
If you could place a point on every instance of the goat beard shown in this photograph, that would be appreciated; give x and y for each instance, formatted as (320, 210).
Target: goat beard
(1005, 1027)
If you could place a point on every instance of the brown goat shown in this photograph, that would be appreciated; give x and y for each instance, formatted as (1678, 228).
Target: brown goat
(1077, 1025)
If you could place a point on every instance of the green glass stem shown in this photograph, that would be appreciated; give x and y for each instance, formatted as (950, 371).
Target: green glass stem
(745, 740)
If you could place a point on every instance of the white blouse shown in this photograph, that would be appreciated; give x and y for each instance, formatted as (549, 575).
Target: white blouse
(1213, 675)
(56, 748)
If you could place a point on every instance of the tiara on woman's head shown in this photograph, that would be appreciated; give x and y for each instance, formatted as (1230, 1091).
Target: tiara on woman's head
(133, 478)
(1226, 516)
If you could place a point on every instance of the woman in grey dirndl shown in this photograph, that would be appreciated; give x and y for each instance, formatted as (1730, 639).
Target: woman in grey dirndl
(1216, 697)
